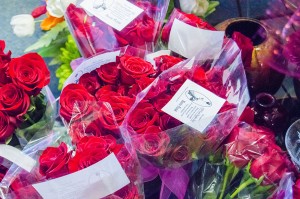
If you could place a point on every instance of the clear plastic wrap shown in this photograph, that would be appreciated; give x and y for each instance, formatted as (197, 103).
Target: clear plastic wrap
(95, 34)
(77, 170)
(164, 141)
(190, 19)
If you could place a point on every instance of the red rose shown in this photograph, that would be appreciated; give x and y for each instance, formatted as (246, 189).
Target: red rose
(273, 164)
(143, 117)
(296, 189)
(111, 118)
(144, 82)
(161, 100)
(190, 19)
(90, 81)
(246, 143)
(7, 126)
(146, 29)
(167, 122)
(108, 90)
(246, 46)
(151, 144)
(140, 31)
(181, 154)
(165, 62)
(133, 68)
(14, 101)
(86, 158)
(108, 73)
(29, 72)
(75, 94)
(4, 60)
(82, 128)
(53, 161)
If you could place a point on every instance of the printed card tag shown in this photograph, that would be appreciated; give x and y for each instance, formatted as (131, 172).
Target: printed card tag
(188, 41)
(116, 13)
(96, 181)
(90, 65)
(194, 105)
(17, 157)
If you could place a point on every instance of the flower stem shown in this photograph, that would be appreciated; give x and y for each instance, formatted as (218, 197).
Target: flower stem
(38, 21)
(27, 117)
(242, 186)
(227, 172)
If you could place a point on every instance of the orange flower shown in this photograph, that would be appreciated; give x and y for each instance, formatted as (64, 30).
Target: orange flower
(50, 22)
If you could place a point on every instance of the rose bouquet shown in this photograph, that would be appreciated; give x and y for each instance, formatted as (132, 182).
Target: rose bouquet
(24, 108)
(181, 116)
(77, 170)
(106, 25)
(249, 164)
(115, 80)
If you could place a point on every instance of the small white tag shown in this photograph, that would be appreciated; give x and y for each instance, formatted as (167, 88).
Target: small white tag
(150, 57)
(116, 13)
(90, 65)
(17, 157)
(194, 105)
(188, 41)
(96, 181)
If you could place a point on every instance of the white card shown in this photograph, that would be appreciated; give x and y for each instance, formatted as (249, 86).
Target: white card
(116, 13)
(90, 65)
(96, 181)
(188, 41)
(194, 105)
(17, 157)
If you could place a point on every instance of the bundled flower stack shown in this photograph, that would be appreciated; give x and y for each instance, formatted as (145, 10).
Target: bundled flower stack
(22, 105)
(139, 122)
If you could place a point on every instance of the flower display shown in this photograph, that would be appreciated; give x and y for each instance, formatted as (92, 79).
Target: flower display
(94, 36)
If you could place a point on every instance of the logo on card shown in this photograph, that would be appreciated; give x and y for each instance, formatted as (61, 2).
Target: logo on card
(102, 5)
(198, 98)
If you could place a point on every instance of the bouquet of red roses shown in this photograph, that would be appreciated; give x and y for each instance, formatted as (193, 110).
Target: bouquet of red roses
(189, 109)
(104, 25)
(107, 78)
(24, 109)
(78, 170)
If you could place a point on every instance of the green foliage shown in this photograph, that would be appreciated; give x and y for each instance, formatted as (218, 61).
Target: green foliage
(48, 37)
(67, 54)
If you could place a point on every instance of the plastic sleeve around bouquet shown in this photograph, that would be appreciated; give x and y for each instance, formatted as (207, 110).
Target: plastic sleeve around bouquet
(94, 160)
(92, 35)
(169, 142)
(190, 19)
(45, 108)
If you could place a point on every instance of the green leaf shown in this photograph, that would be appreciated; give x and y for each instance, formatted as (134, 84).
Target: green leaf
(54, 61)
(48, 37)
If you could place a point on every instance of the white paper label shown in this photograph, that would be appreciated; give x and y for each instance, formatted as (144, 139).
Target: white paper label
(194, 105)
(90, 65)
(188, 41)
(96, 181)
(116, 13)
(17, 157)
